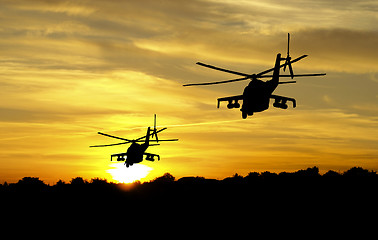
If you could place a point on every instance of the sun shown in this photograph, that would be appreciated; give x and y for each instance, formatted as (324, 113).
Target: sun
(121, 174)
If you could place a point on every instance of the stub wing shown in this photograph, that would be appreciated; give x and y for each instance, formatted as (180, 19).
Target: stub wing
(280, 101)
(231, 99)
(120, 156)
(150, 156)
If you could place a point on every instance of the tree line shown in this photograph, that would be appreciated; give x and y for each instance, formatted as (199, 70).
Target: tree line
(256, 193)
(300, 176)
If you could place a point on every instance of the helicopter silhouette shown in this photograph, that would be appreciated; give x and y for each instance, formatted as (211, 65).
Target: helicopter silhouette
(257, 93)
(136, 151)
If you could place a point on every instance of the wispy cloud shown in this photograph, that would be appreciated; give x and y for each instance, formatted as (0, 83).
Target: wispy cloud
(69, 68)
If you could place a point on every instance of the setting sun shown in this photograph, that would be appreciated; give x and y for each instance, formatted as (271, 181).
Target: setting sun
(122, 174)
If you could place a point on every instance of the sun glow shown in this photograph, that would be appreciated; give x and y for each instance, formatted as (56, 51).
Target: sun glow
(121, 174)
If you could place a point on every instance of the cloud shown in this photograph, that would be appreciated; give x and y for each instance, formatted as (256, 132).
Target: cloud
(68, 7)
(340, 50)
(129, 35)
(71, 68)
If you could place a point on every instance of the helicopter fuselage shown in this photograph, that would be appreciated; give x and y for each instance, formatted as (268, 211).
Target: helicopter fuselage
(135, 153)
(256, 96)
(257, 93)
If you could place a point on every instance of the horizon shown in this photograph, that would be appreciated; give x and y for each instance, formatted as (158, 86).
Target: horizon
(307, 170)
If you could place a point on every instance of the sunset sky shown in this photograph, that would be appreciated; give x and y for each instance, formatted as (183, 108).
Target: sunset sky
(72, 68)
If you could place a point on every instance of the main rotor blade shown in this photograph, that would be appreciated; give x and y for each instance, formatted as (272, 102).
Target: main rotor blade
(271, 69)
(107, 135)
(284, 69)
(287, 82)
(296, 75)
(219, 82)
(247, 76)
(295, 60)
(291, 71)
(222, 69)
(108, 145)
(161, 130)
(305, 75)
(155, 132)
(165, 140)
(137, 140)
(288, 43)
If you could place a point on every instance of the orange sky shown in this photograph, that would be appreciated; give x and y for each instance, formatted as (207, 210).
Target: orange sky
(72, 68)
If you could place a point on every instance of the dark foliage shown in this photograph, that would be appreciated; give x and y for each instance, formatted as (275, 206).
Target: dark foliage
(256, 194)
(355, 175)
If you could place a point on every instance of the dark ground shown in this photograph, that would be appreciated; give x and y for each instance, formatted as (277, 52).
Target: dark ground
(302, 198)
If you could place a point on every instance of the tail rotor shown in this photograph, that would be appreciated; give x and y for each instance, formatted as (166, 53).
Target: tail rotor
(155, 130)
(288, 58)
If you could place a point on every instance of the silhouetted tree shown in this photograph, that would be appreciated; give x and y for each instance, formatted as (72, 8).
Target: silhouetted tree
(236, 179)
(99, 181)
(166, 178)
(268, 175)
(359, 172)
(331, 173)
(191, 180)
(253, 175)
(31, 181)
(33, 187)
(252, 178)
(78, 181)
(60, 183)
(309, 172)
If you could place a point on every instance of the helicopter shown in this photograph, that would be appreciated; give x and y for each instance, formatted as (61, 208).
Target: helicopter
(136, 151)
(257, 93)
